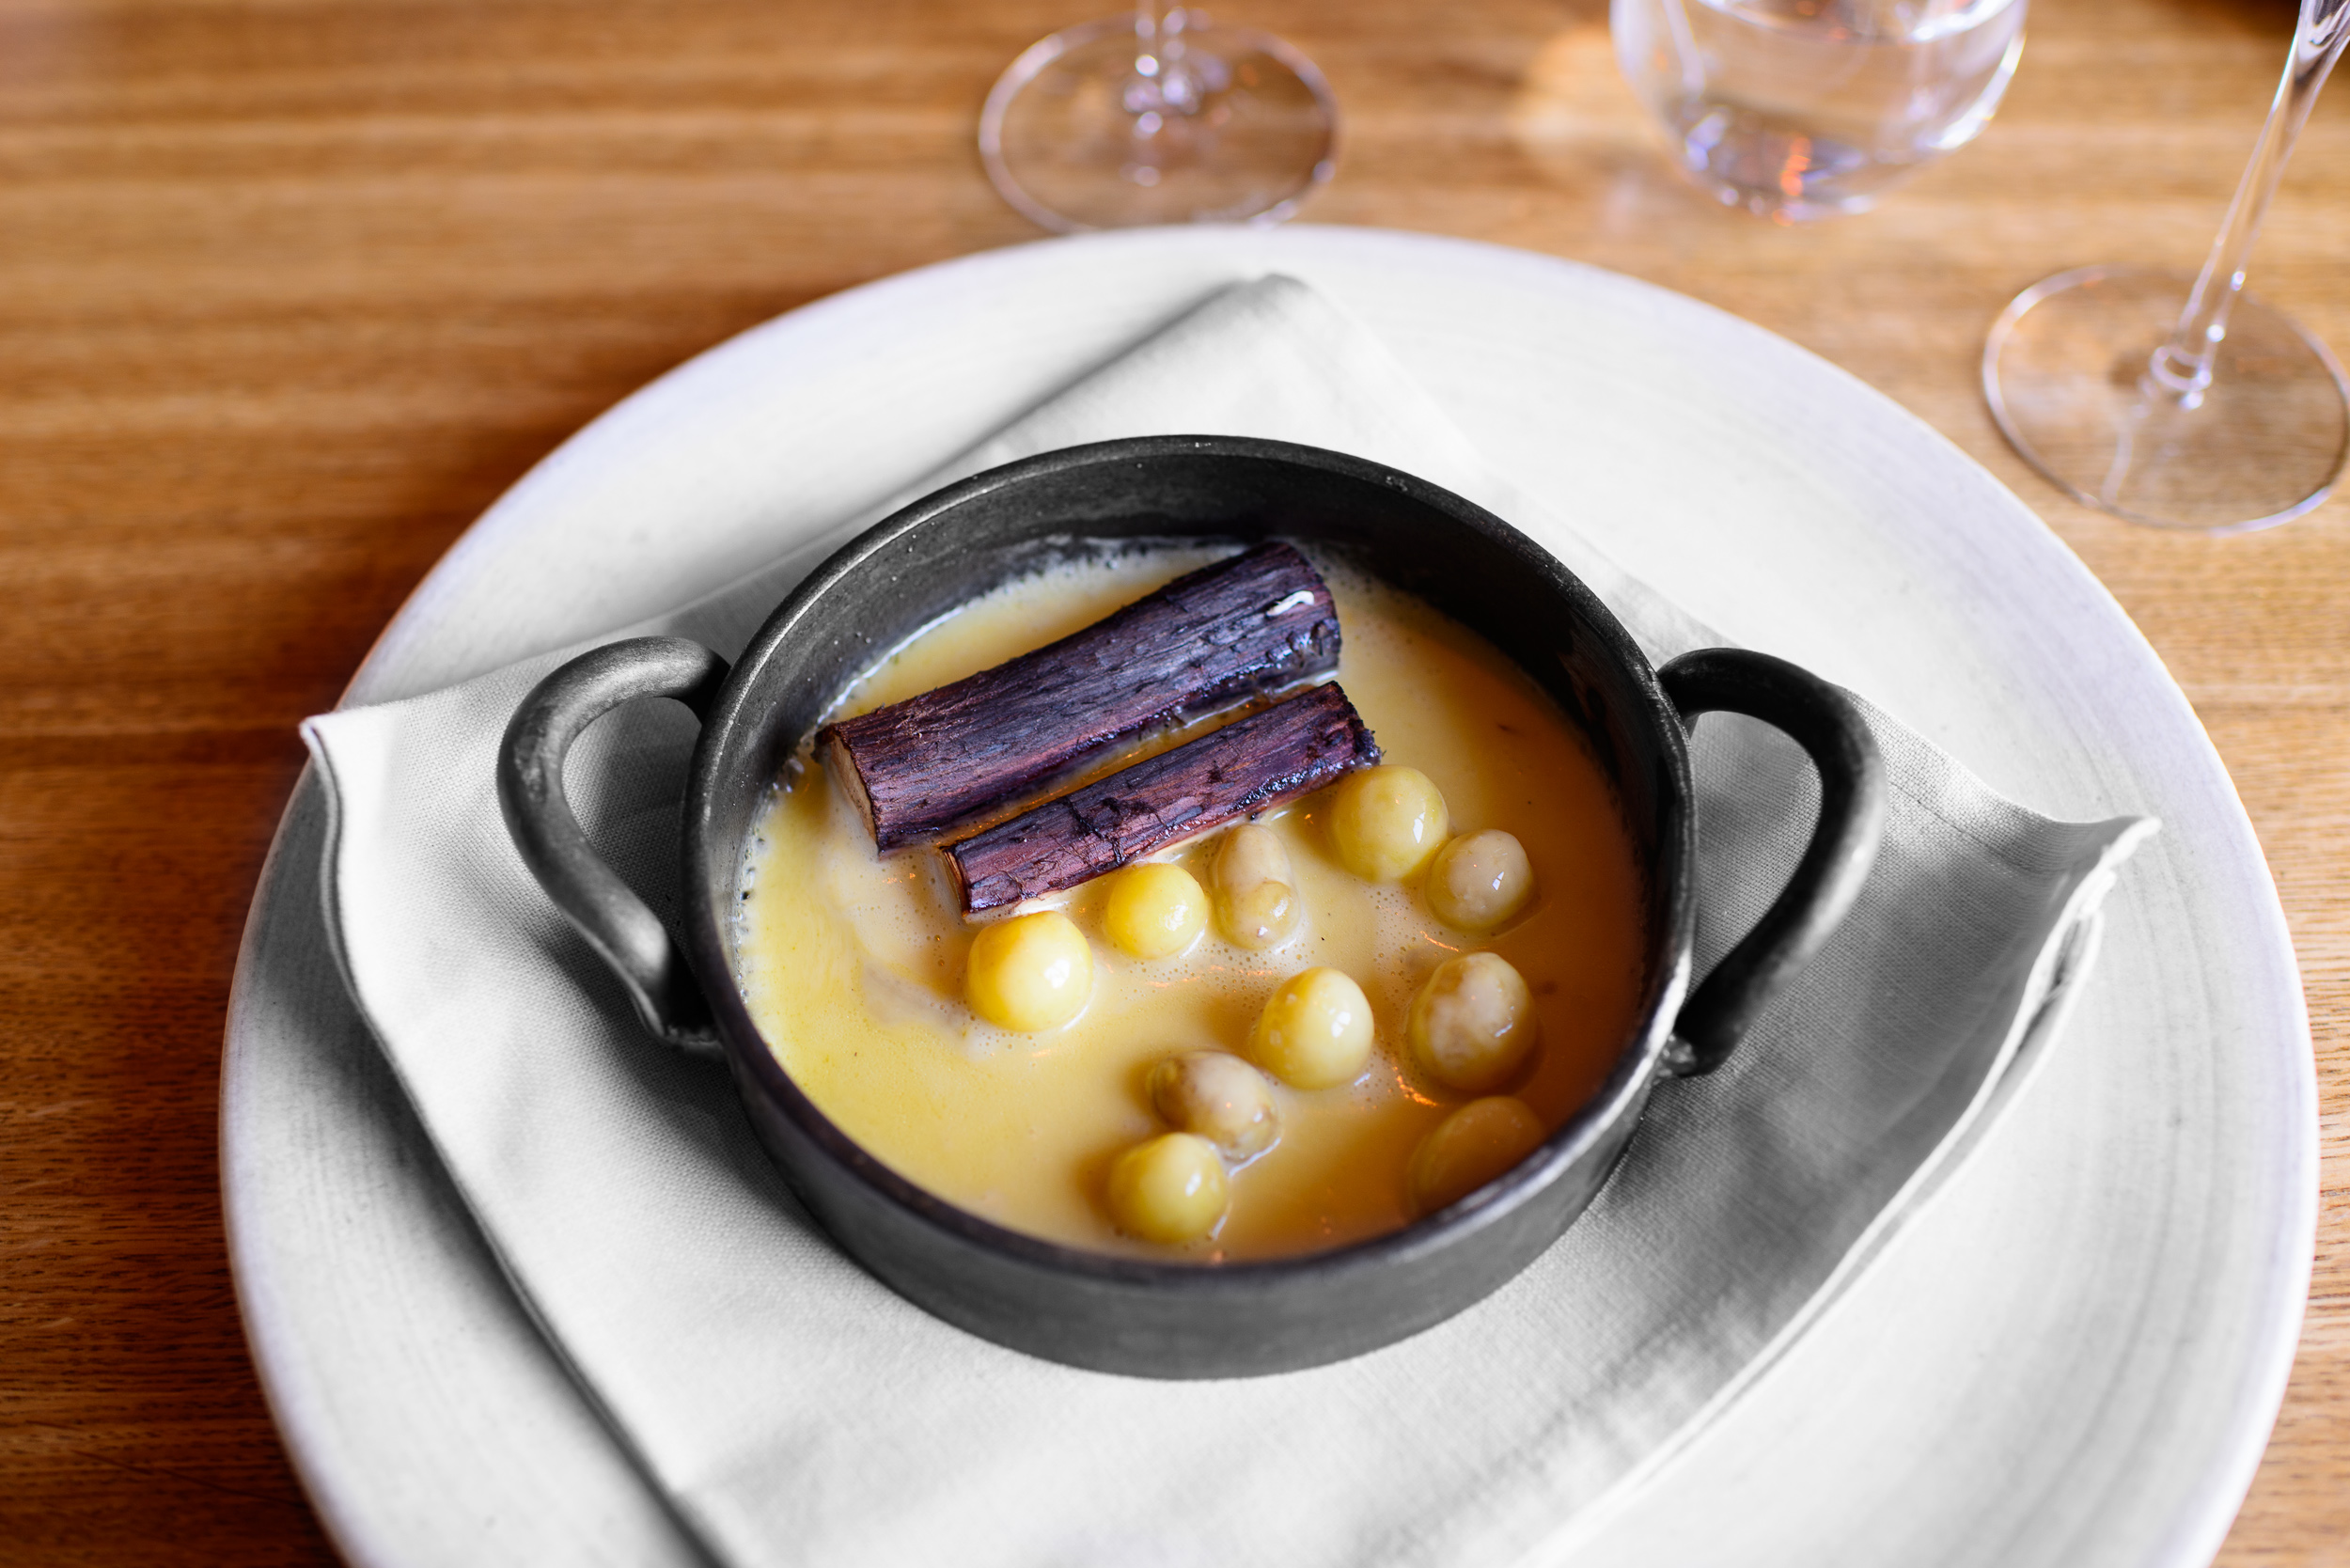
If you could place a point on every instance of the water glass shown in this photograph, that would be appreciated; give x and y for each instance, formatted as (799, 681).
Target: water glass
(1797, 109)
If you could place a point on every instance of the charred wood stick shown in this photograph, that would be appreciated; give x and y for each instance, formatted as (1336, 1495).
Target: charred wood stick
(1248, 624)
(1313, 739)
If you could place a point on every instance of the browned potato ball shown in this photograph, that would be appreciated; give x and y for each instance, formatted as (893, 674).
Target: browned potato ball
(1469, 1148)
(1472, 1026)
(1256, 889)
(1481, 881)
(1218, 1096)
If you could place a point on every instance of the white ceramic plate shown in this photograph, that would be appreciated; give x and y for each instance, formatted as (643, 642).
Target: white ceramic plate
(2072, 1357)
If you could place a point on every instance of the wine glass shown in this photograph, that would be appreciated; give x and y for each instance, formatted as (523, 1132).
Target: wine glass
(1802, 109)
(1158, 117)
(2218, 414)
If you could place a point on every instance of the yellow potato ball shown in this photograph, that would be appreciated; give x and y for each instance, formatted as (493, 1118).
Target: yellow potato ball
(1155, 911)
(1385, 822)
(1472, 1026)
(1170, 1189)
(1030, 972)
(1469, 1148)
(1481, 881)
(1314, 1031)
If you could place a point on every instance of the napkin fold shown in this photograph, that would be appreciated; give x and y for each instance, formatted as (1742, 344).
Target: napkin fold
(790, 1408)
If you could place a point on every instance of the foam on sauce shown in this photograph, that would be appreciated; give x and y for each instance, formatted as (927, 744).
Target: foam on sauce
(852, 964)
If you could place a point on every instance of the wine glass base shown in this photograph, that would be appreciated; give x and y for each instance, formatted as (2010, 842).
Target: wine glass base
(2066, 371)
(1071, 137)
(1777, 168)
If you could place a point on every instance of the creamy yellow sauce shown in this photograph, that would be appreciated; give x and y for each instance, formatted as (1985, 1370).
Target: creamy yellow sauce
(852, 964)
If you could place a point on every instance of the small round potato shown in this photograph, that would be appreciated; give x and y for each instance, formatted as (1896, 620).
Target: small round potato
(1220, 1097)
(1385, 822)
(1481, 881)
(1255, 891)
(1264, 917)
(1030, 972)
(1472, 1026)
(1470, 1147)
(1154, 910)
(1314, 1031)
(1250, 853)
(1169, 1189)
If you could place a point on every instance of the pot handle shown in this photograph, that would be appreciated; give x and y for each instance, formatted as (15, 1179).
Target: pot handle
(622, 928)
(1824, 721)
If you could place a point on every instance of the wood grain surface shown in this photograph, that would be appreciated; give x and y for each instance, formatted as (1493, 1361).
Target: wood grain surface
(290, 290)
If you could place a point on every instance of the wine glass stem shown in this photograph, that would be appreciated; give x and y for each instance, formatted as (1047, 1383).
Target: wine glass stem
(2182, 367)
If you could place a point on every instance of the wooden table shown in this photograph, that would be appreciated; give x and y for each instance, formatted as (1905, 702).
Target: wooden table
(291, 290)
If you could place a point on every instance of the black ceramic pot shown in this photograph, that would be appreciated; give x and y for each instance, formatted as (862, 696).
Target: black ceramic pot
(1133, 1315)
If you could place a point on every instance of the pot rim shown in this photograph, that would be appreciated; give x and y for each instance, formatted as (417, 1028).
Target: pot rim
(1671, 873)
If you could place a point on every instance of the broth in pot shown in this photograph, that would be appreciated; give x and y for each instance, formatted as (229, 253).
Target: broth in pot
(1292, 1034)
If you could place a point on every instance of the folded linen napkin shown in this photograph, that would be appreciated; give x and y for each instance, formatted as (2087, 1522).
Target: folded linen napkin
(792, 1409)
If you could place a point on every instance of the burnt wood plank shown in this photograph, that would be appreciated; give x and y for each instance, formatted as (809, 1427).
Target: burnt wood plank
(1311, 740)
(1248, 624)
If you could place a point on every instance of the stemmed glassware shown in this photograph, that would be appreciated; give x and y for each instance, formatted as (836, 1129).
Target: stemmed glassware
(2188, 405)
(1802, 109)
(1158, 117)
